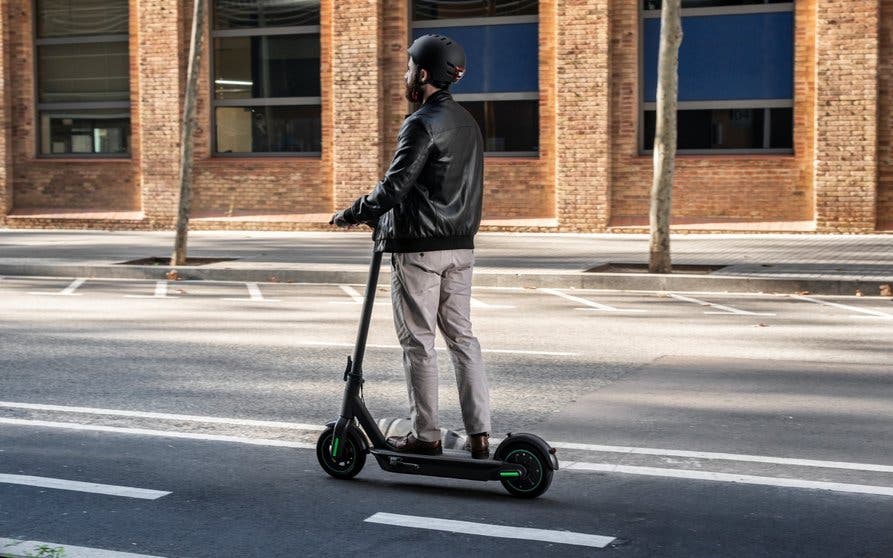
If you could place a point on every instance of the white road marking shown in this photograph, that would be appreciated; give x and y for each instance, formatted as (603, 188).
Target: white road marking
(475, 303)
(16, 548)
(727, 457)
(78, 486)
(589, 303)
(357, 298)
(725, 309)
(67, 291)
(160, 433)
(870, 312)
(874, 467)
(489, 530)
(254, 294)
(439, 348)
(726, 477)
(352, 293)
(578, 466)
(161, 416)
(160, 292)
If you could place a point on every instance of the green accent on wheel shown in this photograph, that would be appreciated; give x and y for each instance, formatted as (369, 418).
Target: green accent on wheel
(335, 447)
(509, 474)
(536, 484)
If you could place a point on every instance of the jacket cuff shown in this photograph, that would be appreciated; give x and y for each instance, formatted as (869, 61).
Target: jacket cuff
(350, 217)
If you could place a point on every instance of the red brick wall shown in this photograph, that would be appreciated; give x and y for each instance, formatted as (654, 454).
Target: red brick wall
(846, 114)
(583, 114)
(885, 119)
(5, 123)
(770, 187)
(73, 183)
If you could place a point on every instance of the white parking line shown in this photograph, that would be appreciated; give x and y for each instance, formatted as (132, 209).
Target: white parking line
(870, 312)
(725, 309)
(78, 486)
(631, 450)
(15, 548)
(726, 477)
(589, 303)
(489, 530)
(254, 294)
(160, 292)
(161, 416)
(159, 433)
(67, 291)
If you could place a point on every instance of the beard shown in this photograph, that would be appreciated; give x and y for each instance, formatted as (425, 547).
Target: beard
(414, 89)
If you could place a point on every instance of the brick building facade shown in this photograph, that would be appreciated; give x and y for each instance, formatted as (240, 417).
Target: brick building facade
(590, 172)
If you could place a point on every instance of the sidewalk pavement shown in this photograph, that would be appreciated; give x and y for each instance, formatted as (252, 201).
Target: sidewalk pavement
(787, 263)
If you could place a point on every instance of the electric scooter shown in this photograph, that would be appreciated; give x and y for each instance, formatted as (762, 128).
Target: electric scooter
(523, 463)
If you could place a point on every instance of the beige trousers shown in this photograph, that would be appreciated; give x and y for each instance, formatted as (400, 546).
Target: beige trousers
(429, 290)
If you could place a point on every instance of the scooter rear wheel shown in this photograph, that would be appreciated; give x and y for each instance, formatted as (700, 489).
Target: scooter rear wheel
(539, 474)
(351, 456)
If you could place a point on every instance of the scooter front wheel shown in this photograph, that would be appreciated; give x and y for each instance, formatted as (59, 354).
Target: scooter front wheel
(351, 456)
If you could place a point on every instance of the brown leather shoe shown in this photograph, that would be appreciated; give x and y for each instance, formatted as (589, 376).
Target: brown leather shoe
(478, 445)
(411, 444)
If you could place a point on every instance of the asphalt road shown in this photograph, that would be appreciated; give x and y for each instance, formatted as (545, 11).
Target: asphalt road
(688, 424)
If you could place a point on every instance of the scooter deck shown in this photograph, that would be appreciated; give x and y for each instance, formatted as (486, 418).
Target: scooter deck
(453, 464)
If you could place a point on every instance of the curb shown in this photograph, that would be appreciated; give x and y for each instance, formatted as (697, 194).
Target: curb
(482, 278)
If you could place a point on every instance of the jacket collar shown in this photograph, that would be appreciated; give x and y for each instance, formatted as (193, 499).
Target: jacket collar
(438, 97)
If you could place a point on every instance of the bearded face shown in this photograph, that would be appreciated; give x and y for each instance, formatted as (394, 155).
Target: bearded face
(413, 83)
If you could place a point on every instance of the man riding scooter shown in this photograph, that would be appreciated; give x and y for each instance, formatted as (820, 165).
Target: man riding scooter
(426, 212)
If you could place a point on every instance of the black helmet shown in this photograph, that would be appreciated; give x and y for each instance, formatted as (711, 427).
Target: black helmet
(442, 57)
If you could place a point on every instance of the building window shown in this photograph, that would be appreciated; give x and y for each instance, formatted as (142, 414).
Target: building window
(501, 84)
(736, 76)
(266, 77)
(83, 77)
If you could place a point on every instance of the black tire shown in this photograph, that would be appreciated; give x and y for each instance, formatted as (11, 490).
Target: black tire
(351, 460)
(539, 474)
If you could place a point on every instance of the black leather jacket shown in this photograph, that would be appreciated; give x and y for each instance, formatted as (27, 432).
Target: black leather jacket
(430, 198)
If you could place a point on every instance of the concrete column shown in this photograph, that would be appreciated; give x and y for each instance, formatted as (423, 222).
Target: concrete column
(355, 89)
(846, 115)
(157, 118)
(5, 119)
(583, 123)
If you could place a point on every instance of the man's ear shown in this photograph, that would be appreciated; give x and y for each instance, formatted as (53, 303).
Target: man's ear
(423, 75)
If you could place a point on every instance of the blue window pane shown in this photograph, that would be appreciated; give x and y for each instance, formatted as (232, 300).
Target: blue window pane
(728, 57)
(501, 58)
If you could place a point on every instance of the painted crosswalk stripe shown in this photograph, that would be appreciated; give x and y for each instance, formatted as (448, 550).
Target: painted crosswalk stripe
(160, 292)
(254, 295)
(78, 486)
(490, 530)
(67, 291)
(725, 309)
(868, 311)
(16, 548)
(725, 477)
(589, 303)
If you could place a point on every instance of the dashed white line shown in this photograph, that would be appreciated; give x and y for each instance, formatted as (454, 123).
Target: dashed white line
(725, 309)
(490, 530)
(726, 477)
(16, 548)
(67, 291)
(870, 312)
(254, 295)
(160, 292)
(78, 486)
(590, 303)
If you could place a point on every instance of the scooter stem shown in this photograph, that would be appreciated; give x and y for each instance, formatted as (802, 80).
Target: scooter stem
(363, 332)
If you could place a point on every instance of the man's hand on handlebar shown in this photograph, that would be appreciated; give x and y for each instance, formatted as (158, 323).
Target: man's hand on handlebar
(339, 221)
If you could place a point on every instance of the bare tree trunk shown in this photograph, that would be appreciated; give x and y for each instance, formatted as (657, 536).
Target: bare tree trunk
(665, 136)
(195, 54)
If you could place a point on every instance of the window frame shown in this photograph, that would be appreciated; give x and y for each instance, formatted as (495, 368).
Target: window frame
(40, 108)
(257, 101)
(479, 97)
(755, 104)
